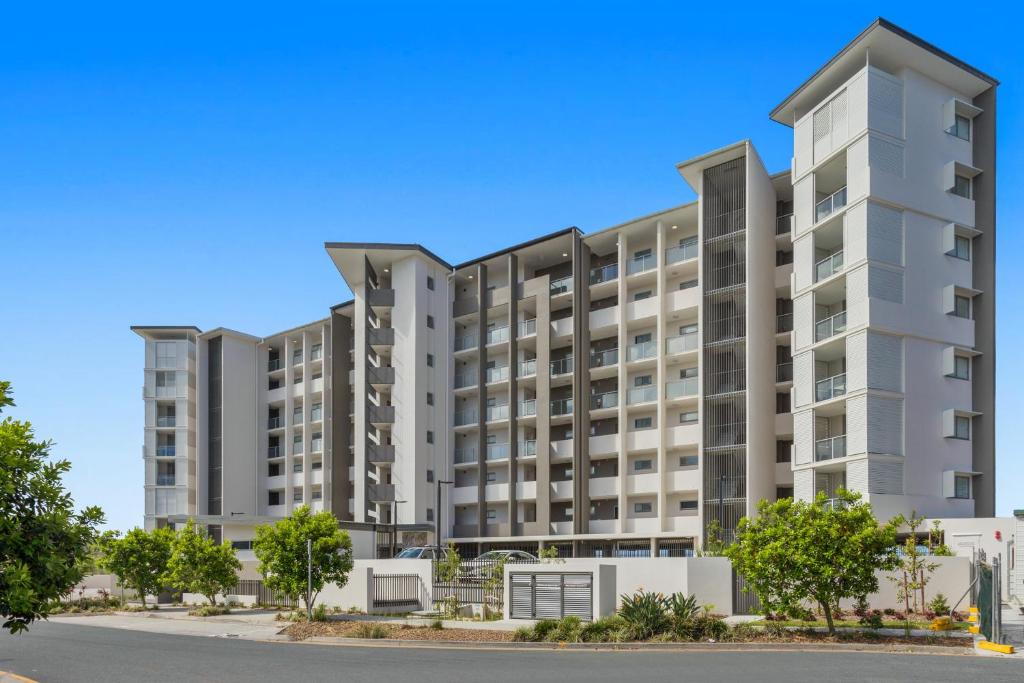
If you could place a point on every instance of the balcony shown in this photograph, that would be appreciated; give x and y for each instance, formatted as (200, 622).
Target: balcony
(497, 412)
(784, 224)
(465, 342)
(166, 421)
(274, 364)
(647, 394)
(381, 298)
(609, 399)
(828, 266)
(604, 273)
(829, 327)
(825, 389)
(641, 264)
(465, 456)
(381, 414)
(465, 417)
(165, 451)
(528, 408)
(783, 323)
(561, 406)
(378, 454)
(784, 372)
(562, 285)
(461, 307)
(498, 451)
(830, 204)
(382, 376)
(496, 374)
(465, 379)
(681, 343)
(275, 423)
(562, 366)
(380, 493)
(600, 359)
(528, 368)
(641, 351)
(681, 252)
(681, 388)
(528, 448)
(165, 480)
(830, 448)
(497, 335)
(274, 451)
(380, 336)
(527, 328)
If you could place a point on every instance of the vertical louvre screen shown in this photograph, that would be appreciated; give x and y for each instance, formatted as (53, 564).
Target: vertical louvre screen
(724, 353)
(552, 596)
(547, 596)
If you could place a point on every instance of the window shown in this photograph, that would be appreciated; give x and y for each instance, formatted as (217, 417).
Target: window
(492, 477)
(430, 476)
(297, 415)
(318, 465)
(687, 505)
(316, 352)
(961, 367)
(165, 379)
(317, 414)
(782, 403)
(296, 357)
(274, 498)
(961, 127)
(783, 492)
(643, 381)
(643, 423)
(688, 329)
(317, 443)
(643, 253)
(640, 296)
(687, 460)
(689, 417)
(642, 465)
(165, 355)
(430, 321)
(688, 284)
(961, 427)
(165, 474)
(430, 398)
(492, 514)
(430, 283)
(297, 495)
(297, 467)
(297, 444)
(241, 545)
(783, 451)
(687, 373)
(316, 495)
(642, 338)
(962, 186)
(961, 486)
(430, 436)
(273, 384)
(961, 247)
(430, 360)
(962, 306)
(642, 508)
(273, 469)
(430, 514)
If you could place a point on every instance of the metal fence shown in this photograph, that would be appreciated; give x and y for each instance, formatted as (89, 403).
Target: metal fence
(396, 590)
(264, 596)
(476, 582)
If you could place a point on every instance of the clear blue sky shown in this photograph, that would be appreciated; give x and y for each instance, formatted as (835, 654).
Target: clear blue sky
(185, 164)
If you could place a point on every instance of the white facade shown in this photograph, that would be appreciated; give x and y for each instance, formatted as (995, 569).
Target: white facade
(831, 326)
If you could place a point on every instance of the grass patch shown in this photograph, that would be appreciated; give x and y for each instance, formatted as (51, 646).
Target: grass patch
(372, 631)
(209, 611)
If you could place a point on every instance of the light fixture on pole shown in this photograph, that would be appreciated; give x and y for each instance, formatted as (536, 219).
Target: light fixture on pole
(437, 516)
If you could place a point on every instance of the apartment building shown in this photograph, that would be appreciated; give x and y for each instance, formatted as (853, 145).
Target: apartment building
(615, 393)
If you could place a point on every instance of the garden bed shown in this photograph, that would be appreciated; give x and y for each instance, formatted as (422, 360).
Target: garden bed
(361, 629)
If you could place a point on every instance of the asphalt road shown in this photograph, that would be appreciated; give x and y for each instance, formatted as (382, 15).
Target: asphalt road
(65, 652)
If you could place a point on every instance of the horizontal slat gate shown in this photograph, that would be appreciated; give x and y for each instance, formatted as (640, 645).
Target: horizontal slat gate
(552, 596)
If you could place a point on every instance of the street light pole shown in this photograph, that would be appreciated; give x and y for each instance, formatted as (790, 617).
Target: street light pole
(309, 578)
(394, 525)
(437, 516)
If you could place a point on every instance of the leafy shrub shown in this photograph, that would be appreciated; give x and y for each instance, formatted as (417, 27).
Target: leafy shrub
(604, 630)
(320, 613)
(542, 628)
(743, 632)
(523, 634)
(208, 611)
(567, 630)
(708, 627)
(800, 613)
(939, 605)
(372, 631)
(861, 607)
(872, 619)
(644, 615)
(889, 611)
(437, 624)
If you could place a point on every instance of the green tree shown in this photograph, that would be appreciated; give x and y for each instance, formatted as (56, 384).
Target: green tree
(449, 571)
(199, 565)
(914, 569)
(139, 559)
(713, 546)
(281, 550)
(795, 551)
(44, 543)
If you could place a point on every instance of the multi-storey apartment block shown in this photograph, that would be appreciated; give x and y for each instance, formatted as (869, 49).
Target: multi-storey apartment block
(830, 326)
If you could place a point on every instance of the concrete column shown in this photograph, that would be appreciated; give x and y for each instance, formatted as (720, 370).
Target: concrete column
(513, 392)
(661, 377)
(623, 387)
(481, 454)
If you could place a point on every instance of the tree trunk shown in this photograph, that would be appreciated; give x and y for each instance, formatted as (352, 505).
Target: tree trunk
(827, 609)
(143, 594)
(212, 599)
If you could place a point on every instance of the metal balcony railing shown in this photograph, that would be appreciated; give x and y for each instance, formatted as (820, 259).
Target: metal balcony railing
(641, 264)
(496, 374)
(641, 351)
(681, 252)
(681, 343)
(600, 359)
(497, 451)
(465, 417)
(166, 421)
(680, 388)
(830, 448)
(561, 285)
(467, 341)
(165, 451)
(834, 386)
(784, 224)
(273, 364)
(527, 328)
(828, 266)
(497, 335)
(609, 399)
(273, 451)
(165, 480)
(528, 368)
(563, 366)
(274, 423)
(465, 379)
(561, 406)
(498, 412)
(604, 273)
(528, 407)
(465, 455)
(784, 372)
(646, 394)
(784, 322)
(831, 326)
(830, 204)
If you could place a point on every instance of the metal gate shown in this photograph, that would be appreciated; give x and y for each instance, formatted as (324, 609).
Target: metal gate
(552, 595)
(744, 600)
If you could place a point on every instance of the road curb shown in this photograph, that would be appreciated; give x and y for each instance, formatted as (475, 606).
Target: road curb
(9, 677)
(632, 647)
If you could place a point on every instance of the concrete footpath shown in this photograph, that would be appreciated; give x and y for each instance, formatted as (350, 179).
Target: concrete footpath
(247, 625)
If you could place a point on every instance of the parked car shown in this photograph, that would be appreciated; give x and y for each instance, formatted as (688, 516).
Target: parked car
(420, 552)
(484, 566)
